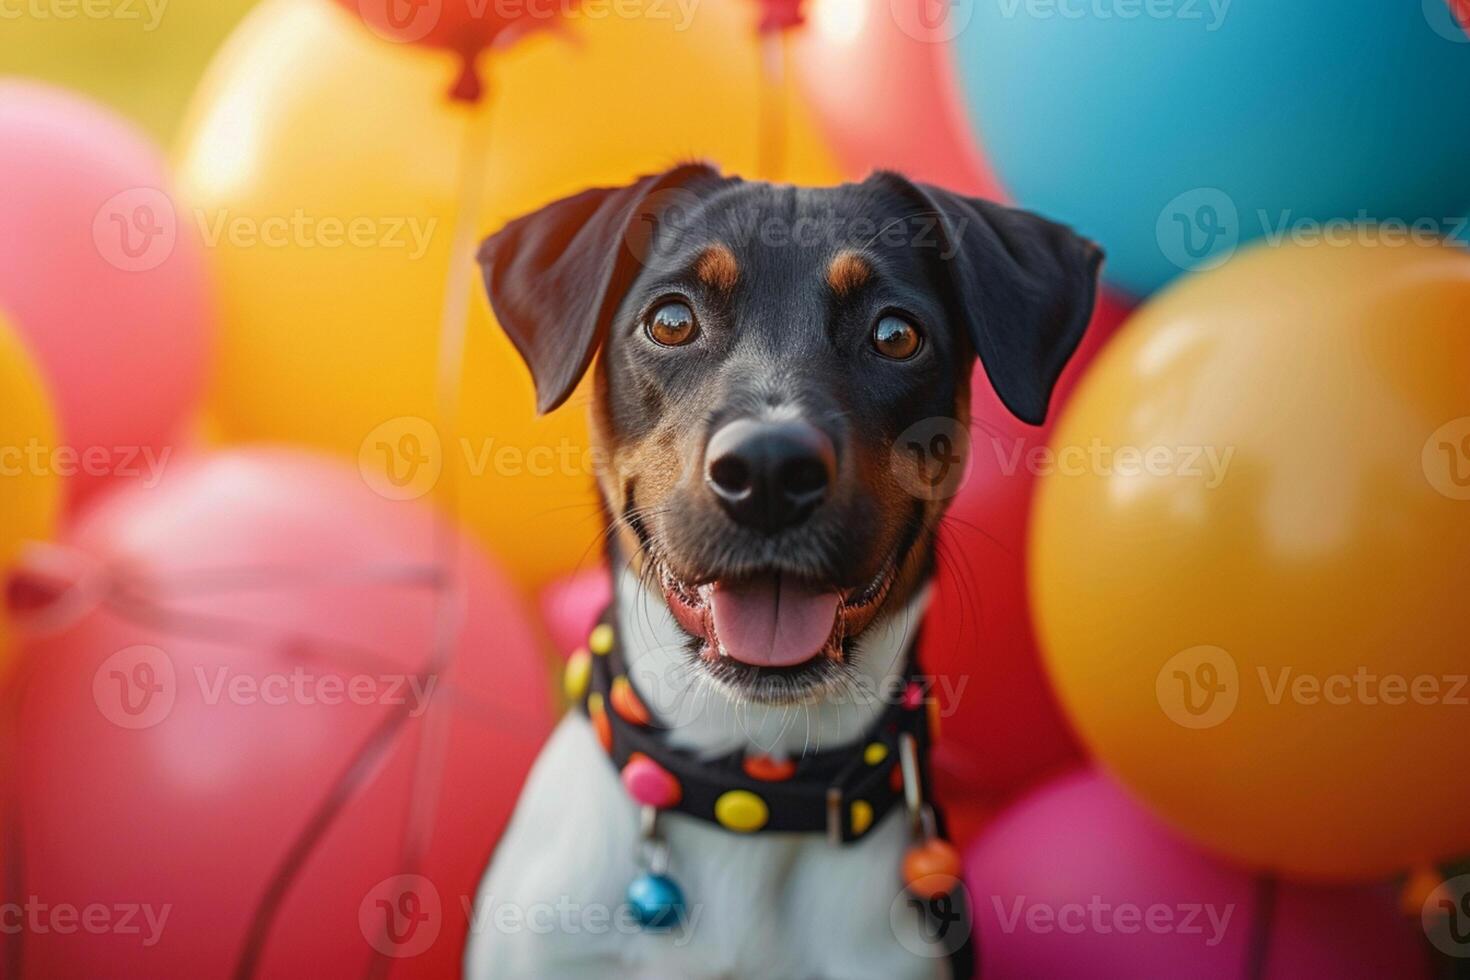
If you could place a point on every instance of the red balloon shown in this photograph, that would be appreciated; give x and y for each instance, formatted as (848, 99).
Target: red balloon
(878, 74)
(465, 27)
(1000, 725)
(241, 650)
(1461, 10)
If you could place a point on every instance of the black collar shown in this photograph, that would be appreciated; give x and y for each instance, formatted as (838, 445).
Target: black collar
(842, 793)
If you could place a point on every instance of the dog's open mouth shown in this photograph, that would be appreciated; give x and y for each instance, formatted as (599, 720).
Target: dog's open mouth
(773, 624)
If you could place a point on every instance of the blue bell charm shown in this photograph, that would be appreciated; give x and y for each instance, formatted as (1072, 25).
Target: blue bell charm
(657, 901)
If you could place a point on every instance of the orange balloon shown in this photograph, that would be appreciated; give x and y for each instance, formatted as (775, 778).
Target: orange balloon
(1251, 552)
(322, 165)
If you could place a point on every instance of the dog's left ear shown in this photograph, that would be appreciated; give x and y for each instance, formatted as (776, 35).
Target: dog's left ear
(1023, 286)
(555, 277)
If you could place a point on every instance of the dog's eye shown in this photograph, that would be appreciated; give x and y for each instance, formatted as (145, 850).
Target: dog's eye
(671, 324)
(895, 338)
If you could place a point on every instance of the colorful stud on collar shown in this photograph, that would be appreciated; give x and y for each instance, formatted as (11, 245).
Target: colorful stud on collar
(741, 810)
(861, 816)
(600, 640)
(767, 769)
(597, 712)
(875, 753)
(577, 676)
(624, 701)
(649, 783)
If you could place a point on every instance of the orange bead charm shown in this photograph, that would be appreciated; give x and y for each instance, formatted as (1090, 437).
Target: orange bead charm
(931, 869)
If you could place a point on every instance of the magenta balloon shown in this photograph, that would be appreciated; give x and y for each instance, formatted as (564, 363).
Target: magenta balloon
(102, 273)
(1078, 880)
(169, 755)
(570, 607)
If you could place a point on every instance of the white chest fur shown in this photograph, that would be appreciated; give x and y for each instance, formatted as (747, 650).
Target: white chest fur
(777, 906)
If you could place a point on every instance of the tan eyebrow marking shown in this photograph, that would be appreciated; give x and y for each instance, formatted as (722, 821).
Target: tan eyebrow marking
(716, 267)
(848, 271)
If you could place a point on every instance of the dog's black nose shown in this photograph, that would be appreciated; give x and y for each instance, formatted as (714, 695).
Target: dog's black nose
(770, 475)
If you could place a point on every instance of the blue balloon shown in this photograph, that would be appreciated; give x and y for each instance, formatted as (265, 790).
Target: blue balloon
(1174, 131)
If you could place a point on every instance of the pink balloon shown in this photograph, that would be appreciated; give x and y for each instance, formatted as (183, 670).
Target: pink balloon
(102, 273)
(1078, 880)
(878, 74)
(240, 646)
(1001, 726)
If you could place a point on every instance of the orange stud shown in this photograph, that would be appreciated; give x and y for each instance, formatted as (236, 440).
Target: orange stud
(767, 769)
(597, 713)
(931, 869)
(625, 702)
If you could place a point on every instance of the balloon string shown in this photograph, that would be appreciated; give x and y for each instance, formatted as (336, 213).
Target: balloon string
(431, 754)
(1258, 949)
(771, 148)
(12, 886)
(424, 778)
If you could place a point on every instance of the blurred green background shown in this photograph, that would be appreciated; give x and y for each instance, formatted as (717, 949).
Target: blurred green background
(139, 56)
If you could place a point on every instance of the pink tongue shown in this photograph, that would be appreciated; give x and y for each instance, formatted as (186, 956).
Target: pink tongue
(772, 622)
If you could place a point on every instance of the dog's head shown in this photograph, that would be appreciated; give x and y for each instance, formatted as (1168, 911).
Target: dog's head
(764, 351)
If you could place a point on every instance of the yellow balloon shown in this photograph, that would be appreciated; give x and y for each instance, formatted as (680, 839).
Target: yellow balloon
(143, 57)
(1251, 555)
(310, 130)
(30, 491)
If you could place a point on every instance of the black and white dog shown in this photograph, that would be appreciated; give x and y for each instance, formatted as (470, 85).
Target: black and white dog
(748, 754)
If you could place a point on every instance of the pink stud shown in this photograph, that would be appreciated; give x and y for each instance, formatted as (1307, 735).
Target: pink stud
(649, 783)
(913, 696)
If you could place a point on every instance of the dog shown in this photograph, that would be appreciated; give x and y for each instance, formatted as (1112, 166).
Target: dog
(764, 356)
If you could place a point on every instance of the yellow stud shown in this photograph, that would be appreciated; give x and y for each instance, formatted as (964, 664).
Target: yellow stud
(600, 641)
(741, 810)
(875, 753)
(578, 674)
(862, 816)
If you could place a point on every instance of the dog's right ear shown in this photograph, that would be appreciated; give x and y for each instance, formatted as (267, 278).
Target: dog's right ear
(555, 277)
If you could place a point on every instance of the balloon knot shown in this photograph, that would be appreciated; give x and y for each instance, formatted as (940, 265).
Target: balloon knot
(468, 87)
(780, 15)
